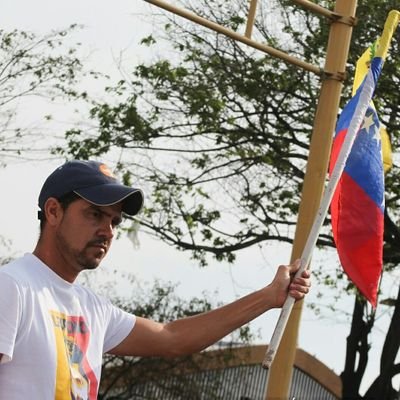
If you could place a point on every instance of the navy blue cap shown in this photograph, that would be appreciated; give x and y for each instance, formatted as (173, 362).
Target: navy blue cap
(94, 182)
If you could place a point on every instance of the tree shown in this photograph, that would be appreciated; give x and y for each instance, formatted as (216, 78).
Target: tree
(218, 135)
(35, 69)
(38, 75)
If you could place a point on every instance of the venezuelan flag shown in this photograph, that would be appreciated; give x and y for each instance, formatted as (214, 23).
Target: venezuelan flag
(358, 202)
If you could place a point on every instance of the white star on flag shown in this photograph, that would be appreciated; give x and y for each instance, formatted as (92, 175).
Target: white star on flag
(368, 122)
(377, 134)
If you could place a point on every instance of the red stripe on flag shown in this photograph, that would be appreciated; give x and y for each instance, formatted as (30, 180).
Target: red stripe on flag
(357, 225)
(336, 146)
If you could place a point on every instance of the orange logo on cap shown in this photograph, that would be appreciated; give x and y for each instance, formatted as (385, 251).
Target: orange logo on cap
(106, 171)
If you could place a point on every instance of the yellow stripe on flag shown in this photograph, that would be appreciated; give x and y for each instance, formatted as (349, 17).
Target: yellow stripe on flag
(362, 66)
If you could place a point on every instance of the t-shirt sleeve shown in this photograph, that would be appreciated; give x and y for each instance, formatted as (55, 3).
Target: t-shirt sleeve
(10, 315)
(119, 326)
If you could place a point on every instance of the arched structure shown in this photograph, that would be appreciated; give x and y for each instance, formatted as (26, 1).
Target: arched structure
(232, 373)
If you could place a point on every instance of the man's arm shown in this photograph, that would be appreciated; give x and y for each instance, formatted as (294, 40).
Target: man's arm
(192, 334)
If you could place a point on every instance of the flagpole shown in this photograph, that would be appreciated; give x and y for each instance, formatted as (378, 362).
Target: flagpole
(362, 105)
(280, 371)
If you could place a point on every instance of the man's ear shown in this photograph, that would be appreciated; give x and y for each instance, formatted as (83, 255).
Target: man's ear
(53, 211)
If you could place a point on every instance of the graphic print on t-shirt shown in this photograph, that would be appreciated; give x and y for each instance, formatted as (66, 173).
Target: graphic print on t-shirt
(75, 379)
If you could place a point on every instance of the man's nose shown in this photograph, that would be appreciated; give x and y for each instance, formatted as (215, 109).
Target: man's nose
(107, 229)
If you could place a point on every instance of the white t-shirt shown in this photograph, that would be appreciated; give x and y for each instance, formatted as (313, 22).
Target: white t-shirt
(53, 334)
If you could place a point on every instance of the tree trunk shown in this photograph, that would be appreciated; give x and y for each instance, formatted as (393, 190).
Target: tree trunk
(357, 343)
(382, 386)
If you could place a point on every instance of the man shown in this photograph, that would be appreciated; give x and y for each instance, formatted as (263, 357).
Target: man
(53, 332)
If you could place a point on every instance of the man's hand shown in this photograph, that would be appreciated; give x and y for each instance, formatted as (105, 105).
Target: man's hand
(284, 283)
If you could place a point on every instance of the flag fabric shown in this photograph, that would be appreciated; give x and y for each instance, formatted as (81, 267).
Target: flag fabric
(358, 202)
(362, 68)
(363, 64)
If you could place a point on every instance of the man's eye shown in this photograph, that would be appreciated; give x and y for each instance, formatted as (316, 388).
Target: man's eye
(96, 214)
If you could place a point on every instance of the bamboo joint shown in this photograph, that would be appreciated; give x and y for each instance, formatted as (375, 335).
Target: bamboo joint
(347, 20)
(337, 76)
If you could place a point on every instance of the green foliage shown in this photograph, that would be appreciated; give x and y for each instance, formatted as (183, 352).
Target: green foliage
(226, 131)
(222, 132)
(44, 68)
(234, 131)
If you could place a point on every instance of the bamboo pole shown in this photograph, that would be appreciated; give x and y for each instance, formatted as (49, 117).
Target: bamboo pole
(280, 373)
(250, 18)
(316, 9)
(236, 36)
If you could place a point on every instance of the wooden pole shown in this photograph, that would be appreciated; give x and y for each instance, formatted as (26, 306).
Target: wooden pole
(250, 18)
(316, 9)
(280, 373)
(236, 36)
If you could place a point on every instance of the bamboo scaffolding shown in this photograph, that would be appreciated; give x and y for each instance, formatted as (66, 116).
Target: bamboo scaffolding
(316, 9)
(237, 36)
(250, 19)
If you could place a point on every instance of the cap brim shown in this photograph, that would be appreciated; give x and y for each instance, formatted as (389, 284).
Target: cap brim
(110, 194)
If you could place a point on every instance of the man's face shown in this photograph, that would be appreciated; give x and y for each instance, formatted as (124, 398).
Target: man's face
(85, 232)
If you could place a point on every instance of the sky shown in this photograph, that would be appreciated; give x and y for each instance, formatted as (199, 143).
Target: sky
(110, 28)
